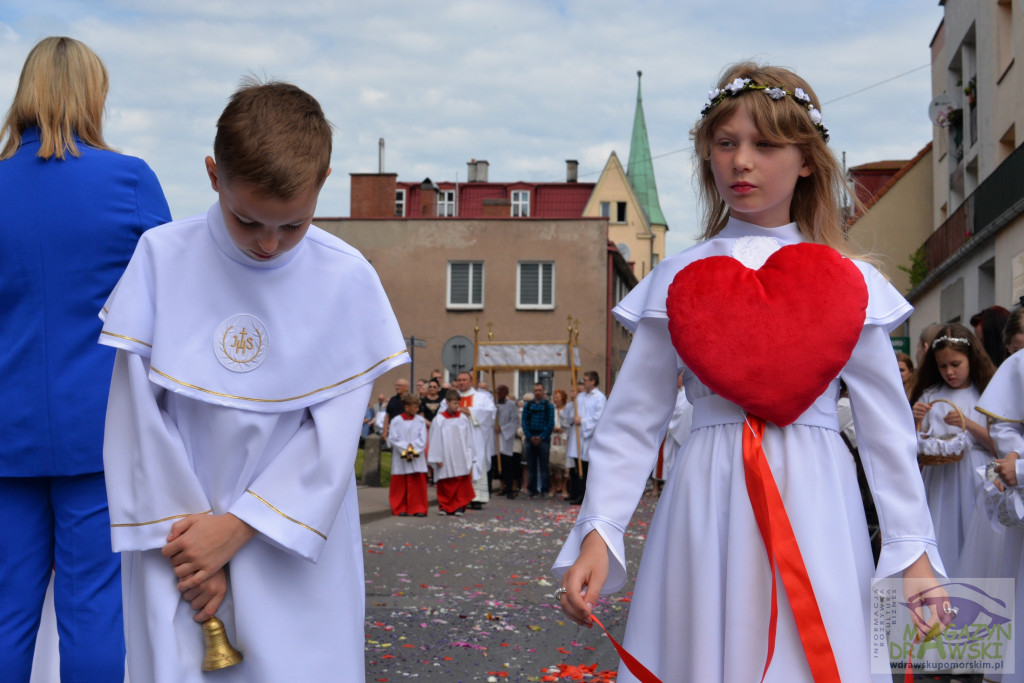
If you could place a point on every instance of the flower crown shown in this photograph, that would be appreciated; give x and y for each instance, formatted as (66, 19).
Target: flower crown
(741, 85)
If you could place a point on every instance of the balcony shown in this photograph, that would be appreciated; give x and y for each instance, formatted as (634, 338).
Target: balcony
(998, 200)
(951, 235)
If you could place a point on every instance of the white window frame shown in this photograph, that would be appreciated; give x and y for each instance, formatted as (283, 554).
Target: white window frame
(520, 203)
(470, 305)
(539, 306)
(606, 210)
(400, 197)
(446, 203)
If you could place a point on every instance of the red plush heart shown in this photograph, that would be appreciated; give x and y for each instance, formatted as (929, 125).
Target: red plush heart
(769, 340)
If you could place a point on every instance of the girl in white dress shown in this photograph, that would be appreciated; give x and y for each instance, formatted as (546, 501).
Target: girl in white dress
(1003, 401)
(707, 605)
(957, 369)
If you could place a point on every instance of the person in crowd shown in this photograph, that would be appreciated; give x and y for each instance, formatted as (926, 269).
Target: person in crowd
(764, 454)
(71, 212)
(432, 401)
(1013, 333)
(906, 365)
(479, 407)
(395, 406)
(590, 403)
(924, 341)
(230, 466)
(556, 456)
(538, 423)
(379, 414)
(1003, 403)
(988, 328)
(408, 436)
(506, 422)
(451, 453)
(955, 369)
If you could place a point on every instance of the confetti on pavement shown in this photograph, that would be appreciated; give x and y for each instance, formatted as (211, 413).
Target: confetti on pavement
(469, 599)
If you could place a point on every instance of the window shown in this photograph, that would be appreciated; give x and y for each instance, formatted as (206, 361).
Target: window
(400, 203)
(620, 212)
(520, 203)
(606, 209)
(536, 285)
(465, 284)
(446, 203)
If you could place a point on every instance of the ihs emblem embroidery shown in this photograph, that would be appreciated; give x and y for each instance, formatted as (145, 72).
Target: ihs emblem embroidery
(241, 343)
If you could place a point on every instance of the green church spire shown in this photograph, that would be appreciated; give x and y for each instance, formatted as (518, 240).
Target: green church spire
(640, 169)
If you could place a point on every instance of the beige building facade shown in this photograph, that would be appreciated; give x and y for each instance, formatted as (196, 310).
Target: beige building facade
(517, 280)
(897, 219)
(642, 244)
(974, 256)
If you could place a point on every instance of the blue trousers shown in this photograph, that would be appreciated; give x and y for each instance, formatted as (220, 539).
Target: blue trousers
(538, 464)
(59, 524)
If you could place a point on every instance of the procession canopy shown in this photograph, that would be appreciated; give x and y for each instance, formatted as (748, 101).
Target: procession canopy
(526, 355)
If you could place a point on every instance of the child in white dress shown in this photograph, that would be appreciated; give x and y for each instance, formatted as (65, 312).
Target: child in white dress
(957, 369)
(767, 343)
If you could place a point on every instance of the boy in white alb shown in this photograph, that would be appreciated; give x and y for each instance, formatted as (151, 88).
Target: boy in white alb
(451, 454)
(234, 413)
(408, 439)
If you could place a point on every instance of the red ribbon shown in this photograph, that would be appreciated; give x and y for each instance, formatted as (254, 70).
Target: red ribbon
(784, 552)
(642, 673)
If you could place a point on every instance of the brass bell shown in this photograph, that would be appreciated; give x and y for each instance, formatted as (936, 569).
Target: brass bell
(220, 654)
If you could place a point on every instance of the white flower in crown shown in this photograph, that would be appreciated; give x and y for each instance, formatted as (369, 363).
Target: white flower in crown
(775, 93)
(815, 115)
(736, 86)
(801, 95)
(713, 93)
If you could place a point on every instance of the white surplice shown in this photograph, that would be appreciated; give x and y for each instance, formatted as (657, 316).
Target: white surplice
(451, 445)
(239, 388)
(700, 607)
(402, 434)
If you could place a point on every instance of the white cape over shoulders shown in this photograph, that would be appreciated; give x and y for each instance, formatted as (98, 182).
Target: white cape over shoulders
(702, 593)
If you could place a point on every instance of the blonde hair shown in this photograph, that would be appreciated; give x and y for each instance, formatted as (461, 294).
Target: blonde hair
(817, 199)
(273, 136)
(62, 90)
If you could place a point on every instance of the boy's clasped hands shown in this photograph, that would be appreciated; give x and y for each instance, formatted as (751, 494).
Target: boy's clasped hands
(199, 547)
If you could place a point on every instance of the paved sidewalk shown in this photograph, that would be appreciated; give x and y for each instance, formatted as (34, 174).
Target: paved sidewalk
(374, 505)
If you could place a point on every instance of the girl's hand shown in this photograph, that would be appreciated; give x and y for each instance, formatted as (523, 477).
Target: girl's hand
(1006, 468)
(921, 589)
(954, 419)
(920, 409)
(199, 545)
(585, 579)
(207, 596)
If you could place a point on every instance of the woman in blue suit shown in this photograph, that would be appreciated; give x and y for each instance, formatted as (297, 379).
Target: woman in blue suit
(71, 211)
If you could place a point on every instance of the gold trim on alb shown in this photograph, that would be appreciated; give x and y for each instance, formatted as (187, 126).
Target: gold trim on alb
(290, 519)
(277, 400)
(121, 336)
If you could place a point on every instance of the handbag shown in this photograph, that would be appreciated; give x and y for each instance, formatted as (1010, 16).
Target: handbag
(935, 446)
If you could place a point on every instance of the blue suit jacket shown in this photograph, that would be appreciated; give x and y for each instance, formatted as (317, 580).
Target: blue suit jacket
(67, 231)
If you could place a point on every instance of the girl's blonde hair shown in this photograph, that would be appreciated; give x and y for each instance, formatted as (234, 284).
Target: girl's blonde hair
(817, 205)
(62, 90)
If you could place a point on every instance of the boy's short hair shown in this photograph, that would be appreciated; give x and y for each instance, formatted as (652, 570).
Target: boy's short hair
(274, 137)
(409, 400)
(452, 395)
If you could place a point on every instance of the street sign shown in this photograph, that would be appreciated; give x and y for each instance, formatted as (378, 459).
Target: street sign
(457, 355)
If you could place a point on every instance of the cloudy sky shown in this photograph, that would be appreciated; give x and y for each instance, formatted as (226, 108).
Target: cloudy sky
(524, 84)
